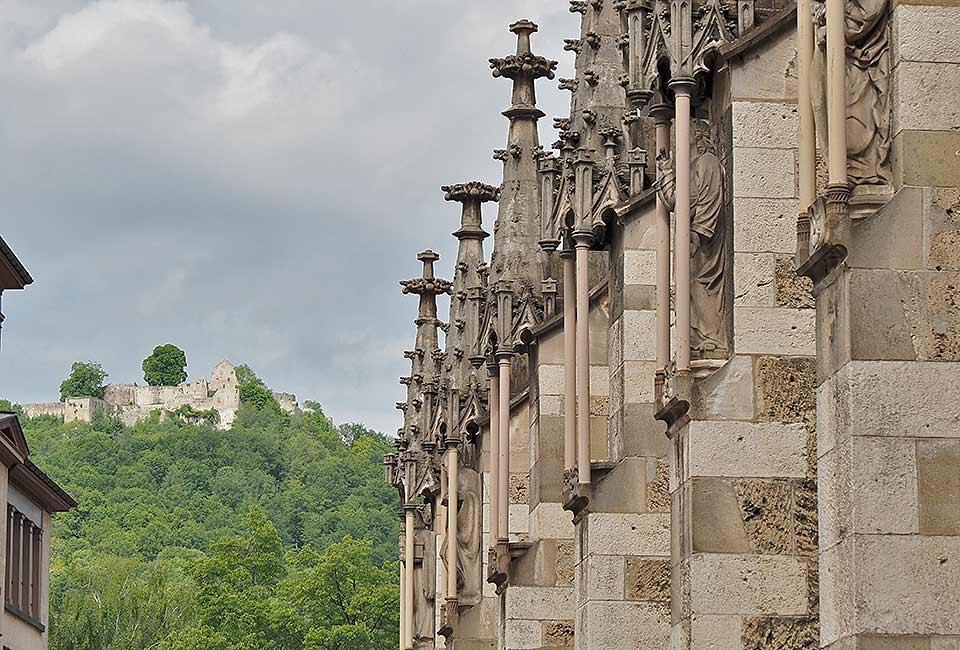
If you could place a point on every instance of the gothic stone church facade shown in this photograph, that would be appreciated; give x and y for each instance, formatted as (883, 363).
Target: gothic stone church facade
(704, 393)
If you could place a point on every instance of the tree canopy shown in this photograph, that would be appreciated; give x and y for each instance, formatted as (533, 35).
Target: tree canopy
(166, 366)
(189, 537)
(85, 380)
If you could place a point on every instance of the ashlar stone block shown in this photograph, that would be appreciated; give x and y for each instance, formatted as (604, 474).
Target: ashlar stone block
(735, 449)
(785, 388)
(925, 33)
(727, 394)
(919, 103)
(764, 173)
(538, 603)
(765, 225)
(768, 125)
(621, 624)
(748, 585)
(647, 580)
(938, 470)
(777, 330)
(628, 534)
(892, 398)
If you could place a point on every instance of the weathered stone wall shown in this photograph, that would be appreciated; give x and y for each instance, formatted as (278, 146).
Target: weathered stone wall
(287, 402)
(48, 408)
(888, 399)
(542, 577)
(133, 403)
(623, 541)
(83, 408)
(743, 469)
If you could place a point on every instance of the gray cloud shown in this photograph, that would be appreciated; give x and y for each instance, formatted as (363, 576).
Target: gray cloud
(247, 179)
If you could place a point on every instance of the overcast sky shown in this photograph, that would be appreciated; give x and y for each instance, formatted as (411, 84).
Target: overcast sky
(246, 179)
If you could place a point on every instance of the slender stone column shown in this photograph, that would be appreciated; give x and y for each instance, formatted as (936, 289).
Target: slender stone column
(494, 404)
(503, 487)
(661, 114)
(683, 87)
(808, 136)
(583, 240)
(403, 601)
(569, 360)
(453, 466)
(409, 533)
(836, 93)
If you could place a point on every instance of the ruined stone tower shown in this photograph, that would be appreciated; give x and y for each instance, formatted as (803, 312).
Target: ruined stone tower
(701, 395)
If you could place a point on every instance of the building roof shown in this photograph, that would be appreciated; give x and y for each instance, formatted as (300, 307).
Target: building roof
(13, 275)
(25, 474)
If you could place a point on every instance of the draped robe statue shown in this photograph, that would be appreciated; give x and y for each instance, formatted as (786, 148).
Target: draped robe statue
(424, 585)
(708, 236)
(868, 89)
(469, 540)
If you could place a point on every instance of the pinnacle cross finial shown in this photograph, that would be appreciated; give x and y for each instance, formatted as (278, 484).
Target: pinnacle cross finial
(523, 68)
(428, 283)
(471, 194)
(523, 28)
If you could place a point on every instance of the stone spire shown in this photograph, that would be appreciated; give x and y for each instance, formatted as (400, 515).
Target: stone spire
(425, 366)
(598, 103)
(517, 229)
(465, 316)
(594, 138)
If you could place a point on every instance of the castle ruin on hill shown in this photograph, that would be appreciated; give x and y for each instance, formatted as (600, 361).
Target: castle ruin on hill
(704, 394)
(132, 403)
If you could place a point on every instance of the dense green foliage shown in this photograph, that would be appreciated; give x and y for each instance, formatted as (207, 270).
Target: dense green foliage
(85, 380)
(166, 366)
(254, 391)
(191, 538)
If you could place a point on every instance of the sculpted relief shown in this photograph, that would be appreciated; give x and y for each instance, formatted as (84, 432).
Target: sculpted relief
(868, 88)
(469, 540)
(708, 236)
(425, 582)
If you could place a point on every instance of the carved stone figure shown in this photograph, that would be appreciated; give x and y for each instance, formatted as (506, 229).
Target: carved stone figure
(708, 235)
(868, 88)
(469, 508)
(425, 583)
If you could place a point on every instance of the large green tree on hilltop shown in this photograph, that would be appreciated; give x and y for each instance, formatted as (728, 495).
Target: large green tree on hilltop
(85, 380)
(166, 366)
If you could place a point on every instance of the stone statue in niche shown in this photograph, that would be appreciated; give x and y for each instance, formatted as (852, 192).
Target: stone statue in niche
(868, 88)
(425, 581)
(708, 235)
(469, 540)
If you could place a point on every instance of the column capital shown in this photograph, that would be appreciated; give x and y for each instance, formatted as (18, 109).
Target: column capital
(583, 238)
(662, 113)
(682, 85)
(451, 441)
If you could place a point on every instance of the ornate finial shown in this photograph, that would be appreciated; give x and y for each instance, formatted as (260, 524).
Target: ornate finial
(428, 283)
(470, 191)
(517, 66)
(524, 65)
(610, 135)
